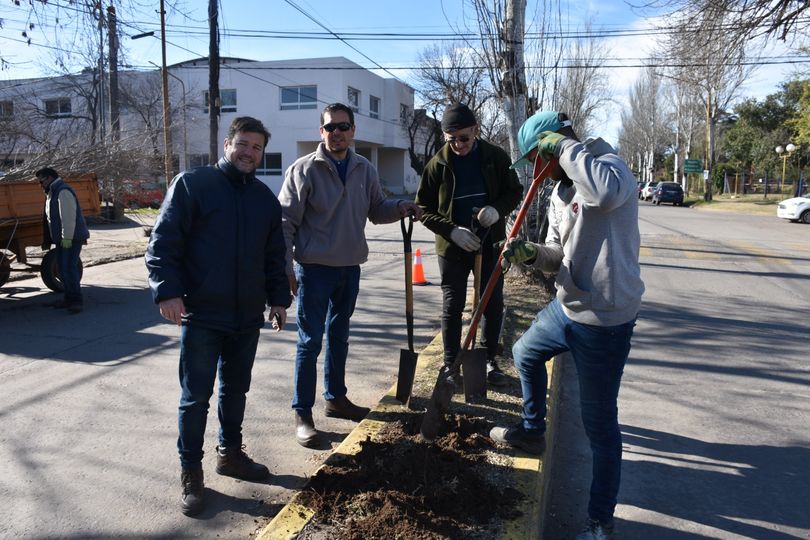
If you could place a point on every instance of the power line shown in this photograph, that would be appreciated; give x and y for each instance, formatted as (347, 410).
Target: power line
(638, 62)
(361, 53)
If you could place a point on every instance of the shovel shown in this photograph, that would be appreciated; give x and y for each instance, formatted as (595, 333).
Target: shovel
(433, 421)
(407, 357)
(473, 362)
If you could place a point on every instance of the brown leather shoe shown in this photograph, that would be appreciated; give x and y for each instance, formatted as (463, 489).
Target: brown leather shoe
(305, 431)
(192, 501)
(235, 462)
(343, 408)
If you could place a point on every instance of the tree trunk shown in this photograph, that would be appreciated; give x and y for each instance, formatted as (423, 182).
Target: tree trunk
(707, 182)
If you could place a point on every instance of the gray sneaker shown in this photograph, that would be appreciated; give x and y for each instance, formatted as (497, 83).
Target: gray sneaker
(518, 437)
(596, 530)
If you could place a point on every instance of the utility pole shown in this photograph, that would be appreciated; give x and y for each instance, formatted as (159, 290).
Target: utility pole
(115, 119)
(213, 81)
(167, 117)
(102, 131)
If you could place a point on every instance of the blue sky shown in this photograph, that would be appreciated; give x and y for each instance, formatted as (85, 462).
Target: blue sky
(247, 24)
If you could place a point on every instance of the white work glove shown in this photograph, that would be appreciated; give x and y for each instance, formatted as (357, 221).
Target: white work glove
(465, 239)
(488, 216)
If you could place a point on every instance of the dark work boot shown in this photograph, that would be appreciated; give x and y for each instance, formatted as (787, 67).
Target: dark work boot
(495, 376)
(235, 462)
(456, 378)
(343, 408)
(305, 431)
(192, 501)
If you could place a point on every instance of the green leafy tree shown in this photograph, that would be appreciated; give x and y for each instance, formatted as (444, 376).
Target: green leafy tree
(800, 122)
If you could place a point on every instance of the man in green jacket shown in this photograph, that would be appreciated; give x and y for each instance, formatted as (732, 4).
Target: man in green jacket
(468, 184)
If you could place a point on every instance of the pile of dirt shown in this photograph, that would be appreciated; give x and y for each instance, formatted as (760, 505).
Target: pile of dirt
(399, 486)
(457, 486)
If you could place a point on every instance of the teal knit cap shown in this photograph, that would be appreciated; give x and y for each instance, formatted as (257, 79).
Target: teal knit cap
(530, 130)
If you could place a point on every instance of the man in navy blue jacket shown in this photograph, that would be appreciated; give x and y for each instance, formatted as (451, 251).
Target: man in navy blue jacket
(215, 260)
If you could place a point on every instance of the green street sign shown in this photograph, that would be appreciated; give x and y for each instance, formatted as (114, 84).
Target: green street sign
(692, 166)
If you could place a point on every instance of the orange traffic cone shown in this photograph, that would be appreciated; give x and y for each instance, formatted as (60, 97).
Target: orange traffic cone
(418, 271)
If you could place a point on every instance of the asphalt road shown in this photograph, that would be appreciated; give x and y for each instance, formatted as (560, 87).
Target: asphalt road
(715, 401)
(89, 403)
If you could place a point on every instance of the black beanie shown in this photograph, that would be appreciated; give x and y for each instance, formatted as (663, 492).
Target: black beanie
(457, 116)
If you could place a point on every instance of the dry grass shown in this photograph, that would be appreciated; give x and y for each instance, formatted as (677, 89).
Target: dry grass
(754, 204)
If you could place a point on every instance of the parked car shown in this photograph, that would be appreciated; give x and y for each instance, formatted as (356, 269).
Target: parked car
(141, 194)
(668, 192)
(640, 187)
(646, 192)
(795, 209)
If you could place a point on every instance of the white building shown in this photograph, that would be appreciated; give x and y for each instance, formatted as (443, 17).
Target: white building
(288, 97)
(49, 114)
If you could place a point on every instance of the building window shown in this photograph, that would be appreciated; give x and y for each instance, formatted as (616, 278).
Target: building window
(227, 100)
(270, 165)
(403, 113)
(299, 97)
(374, 107)
(197, 160)
(57, 108)
(6, 110)
(354, 99)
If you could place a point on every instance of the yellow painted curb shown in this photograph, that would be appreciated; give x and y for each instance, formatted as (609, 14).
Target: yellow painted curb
(529, 472)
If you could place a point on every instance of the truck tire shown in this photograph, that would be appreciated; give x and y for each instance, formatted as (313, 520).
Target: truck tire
(49, 271)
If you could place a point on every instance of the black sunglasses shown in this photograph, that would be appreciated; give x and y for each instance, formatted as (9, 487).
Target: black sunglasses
(342, 126)
(462, 139)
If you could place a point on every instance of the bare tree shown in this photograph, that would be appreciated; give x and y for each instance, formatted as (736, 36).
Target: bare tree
(585, 88)
(715, 72)
(501, 35)
(424, 134)
(449, 73)
(739, 20)
(687, 117)
(644, 136)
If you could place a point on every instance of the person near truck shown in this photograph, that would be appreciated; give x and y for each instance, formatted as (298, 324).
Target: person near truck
(64, 226)
(326, 198)
(215, 261)
(593, 245)
(468, 180)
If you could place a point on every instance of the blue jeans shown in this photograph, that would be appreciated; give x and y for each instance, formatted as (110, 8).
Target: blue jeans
(599, 353)
(326, 299)
(67, 260)
(203, 352)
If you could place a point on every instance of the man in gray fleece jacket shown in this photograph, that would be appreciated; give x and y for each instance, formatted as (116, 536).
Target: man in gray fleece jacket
(592, 245)
(326, 198)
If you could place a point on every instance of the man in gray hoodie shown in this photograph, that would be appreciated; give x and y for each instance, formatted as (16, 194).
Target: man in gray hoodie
(326, 198)
(592, 245)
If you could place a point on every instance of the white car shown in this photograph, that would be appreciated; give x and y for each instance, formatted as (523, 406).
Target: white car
(795, 209)
(647, 191)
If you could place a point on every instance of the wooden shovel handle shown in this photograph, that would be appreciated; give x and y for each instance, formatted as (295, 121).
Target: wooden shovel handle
(539, 177)
(406, 240)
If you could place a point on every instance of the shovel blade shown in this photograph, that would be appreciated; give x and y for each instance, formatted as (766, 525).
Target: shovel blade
(433, 421)
(474, 367)
(407, 370)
